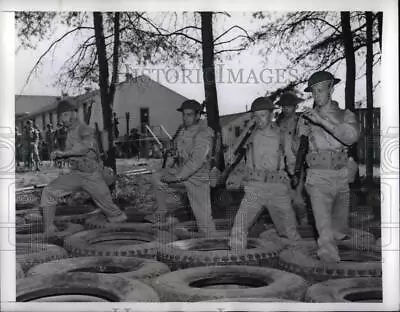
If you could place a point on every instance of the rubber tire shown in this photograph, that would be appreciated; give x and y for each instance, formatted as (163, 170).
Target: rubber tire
(19, 221)
(336, 290)
(23, 212)
(31, 254)
(19, 271)
(359, 239)
(100, 222)
(77, 214)
(175, 287)
(304, 261)
(188, 229)
(238, 299)
(67, 229)
(264, 254)
(81, 244)
(135, 268)
(121, 289)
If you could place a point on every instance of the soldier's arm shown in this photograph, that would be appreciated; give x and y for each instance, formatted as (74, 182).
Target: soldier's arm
(199, 155)
(346, 131)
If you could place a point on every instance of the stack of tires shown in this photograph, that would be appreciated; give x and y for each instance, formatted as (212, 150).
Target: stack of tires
(93, 260)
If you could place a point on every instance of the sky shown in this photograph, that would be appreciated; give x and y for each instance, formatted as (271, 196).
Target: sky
(258, 73)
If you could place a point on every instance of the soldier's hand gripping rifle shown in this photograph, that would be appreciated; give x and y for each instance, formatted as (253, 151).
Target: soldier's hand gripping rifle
(238, 151)
(170, 151)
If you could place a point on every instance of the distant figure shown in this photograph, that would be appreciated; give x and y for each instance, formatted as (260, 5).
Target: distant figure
(134, 142)
(115, 125)
(49, 139)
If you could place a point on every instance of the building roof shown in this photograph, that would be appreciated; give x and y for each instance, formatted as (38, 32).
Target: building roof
(78, 100)
(227, 119)
(32, 103)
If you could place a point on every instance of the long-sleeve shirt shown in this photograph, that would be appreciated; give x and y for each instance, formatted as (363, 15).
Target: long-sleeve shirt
(194, 146)
(81, 139)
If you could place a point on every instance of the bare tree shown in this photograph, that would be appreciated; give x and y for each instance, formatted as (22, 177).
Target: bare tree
(369, 87)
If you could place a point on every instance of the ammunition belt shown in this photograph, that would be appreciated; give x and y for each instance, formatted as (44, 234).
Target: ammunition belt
(269, 176)
(332, 160)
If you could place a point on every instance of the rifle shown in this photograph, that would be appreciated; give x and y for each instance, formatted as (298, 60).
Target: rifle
(300, 160)
(169, 152)
(239, 151)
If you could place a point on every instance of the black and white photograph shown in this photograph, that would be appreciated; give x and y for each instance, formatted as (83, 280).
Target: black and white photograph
(199, 156)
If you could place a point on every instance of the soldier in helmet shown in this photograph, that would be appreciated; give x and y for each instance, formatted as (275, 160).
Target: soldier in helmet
(190, 166)
(330, 132)
(269, 155)
(287, 122)
(86, 171)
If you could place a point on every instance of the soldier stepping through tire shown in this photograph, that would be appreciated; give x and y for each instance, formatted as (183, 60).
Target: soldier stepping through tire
(266, 182)
(87, 171)
(190, 166)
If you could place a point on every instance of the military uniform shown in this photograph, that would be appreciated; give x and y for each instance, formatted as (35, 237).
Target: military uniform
(269, 153)
(288, 125)
(193, 153)
(86, 174)
(327, 176)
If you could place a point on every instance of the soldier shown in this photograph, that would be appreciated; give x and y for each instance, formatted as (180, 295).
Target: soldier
(86, 171)
(269, 152)
(18, 144)
(115, 125)
(49, 138)
(193, 153)
(330, 131)
(38, 147)
(287, 122)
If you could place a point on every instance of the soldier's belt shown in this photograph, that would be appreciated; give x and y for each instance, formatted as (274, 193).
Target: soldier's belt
(269, 176)
(333, 160)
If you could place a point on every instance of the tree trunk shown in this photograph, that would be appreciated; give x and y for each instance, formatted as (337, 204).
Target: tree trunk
(111, 154)
(350, 60)
(350, 75)
(369, 117)
(210, 88)
(380, 24)
(103, 71)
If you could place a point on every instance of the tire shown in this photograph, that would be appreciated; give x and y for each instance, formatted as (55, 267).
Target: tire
(88, 243)
(305, 262)
(23, 212)
(106, 287)
(31, 254)
(359, 239)
(361, 289)
(126, 267)
(100, 222)
(19, 272)
(190, 253)
(33, 217)
(19, 221)
(375, 228)
(188, 285)
(189, 230)
(75, 214)
(34, 233)
(360, 217)
(305, 231)
(238, 299)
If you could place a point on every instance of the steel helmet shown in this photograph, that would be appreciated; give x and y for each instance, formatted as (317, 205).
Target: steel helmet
(319, 77)
(190, 104)
(262, 103)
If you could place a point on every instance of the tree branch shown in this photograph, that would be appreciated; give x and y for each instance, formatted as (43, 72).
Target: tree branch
(235, 26)
(48, 50)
